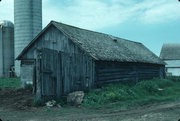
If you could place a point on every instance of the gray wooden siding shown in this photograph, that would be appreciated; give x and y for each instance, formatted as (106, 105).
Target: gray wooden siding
(108, 72)
(55, 40)
(62, 73)
(51, 39)
(27, 72)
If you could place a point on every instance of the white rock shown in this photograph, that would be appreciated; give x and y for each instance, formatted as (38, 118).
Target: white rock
(160, 89)
(75, 98)
(51, 103)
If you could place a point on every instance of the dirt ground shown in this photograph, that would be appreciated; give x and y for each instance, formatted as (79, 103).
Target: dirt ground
(15, 105)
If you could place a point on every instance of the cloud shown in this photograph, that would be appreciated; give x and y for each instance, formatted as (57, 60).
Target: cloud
(6, 10)
(96, 14)
(160, 12)
(91, 14)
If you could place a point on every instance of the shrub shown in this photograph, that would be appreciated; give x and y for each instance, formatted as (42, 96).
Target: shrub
(148, 86)
(174, 78)
(128, 94)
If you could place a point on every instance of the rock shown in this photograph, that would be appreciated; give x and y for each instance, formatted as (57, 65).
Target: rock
(159, 89)
(75, 98)
(51, 103)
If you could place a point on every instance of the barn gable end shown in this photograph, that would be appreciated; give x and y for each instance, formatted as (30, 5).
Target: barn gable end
(53, 39)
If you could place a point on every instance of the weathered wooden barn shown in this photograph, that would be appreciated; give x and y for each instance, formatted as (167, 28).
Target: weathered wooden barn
(64, 58)
(170, 53)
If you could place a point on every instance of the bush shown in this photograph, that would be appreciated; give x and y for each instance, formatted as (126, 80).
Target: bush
(148, 86)
(174, 78)
(128, 94)
(107, 94)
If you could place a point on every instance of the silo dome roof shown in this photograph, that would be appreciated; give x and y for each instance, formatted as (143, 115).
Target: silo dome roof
(6, 23)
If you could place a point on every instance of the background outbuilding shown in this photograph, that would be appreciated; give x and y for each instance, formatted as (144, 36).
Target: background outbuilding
(170, 53)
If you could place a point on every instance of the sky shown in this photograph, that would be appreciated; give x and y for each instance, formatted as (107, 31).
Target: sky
(151, 22)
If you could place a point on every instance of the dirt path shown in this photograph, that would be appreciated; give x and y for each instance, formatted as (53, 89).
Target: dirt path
(156, 112)
(15, 106)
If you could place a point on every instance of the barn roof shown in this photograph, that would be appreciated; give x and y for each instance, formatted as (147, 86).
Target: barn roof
(170, 52)
(105, 47)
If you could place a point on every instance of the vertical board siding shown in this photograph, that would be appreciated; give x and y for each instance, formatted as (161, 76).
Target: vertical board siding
(27, 67)
(49, 72)
(38, 81)
(77, 72)
(55, 40)
(62, 73)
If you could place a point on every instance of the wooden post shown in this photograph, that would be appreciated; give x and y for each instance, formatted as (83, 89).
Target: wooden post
(38, 76)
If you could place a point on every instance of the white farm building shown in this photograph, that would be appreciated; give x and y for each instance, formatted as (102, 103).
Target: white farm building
(170, 53)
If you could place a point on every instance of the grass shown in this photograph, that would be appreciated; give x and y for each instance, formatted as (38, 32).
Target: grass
(129, 94)
(121, 95)
(10, 82)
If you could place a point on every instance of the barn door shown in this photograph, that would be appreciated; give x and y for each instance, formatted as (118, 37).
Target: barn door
(49, 72)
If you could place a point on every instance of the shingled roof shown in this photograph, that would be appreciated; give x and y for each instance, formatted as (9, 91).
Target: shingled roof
(170, 52)
(106, 47)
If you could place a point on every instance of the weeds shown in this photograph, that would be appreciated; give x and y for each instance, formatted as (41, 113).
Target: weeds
(147, 91)
(118, 95)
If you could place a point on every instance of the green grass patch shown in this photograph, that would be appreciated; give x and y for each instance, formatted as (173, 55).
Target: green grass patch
(10, 82)
(129, 94)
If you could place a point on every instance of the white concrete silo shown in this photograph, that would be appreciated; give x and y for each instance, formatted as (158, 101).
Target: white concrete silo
(6, 48)
(28, 23)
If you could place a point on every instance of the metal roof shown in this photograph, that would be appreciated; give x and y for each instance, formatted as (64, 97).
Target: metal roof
(170, 52)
